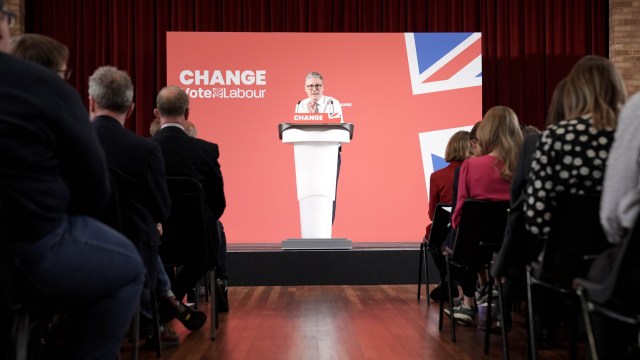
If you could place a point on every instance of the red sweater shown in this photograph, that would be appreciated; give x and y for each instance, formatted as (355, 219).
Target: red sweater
(480, 179)
(440, 190)
(441, 187)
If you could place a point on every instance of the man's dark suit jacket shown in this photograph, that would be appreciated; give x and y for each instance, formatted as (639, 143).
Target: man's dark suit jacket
(191, 157)
(138, 168)
(52, 164)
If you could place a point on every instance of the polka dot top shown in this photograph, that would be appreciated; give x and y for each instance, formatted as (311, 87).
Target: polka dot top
(570, 157)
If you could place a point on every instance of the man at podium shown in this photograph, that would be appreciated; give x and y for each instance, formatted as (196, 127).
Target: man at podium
(317, 102)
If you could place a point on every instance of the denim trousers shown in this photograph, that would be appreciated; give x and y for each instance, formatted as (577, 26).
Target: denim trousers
(94, 270)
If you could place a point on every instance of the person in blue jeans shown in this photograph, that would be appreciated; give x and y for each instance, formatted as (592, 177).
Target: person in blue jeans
(54, 179)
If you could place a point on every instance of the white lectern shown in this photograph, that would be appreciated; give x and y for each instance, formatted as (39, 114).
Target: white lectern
(315, 148)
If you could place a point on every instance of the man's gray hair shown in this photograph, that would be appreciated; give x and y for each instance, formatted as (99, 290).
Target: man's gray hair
(111, 88)
(172, 101)
(314, 74)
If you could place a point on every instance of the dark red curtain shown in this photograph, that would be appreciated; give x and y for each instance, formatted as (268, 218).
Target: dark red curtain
(528, 45)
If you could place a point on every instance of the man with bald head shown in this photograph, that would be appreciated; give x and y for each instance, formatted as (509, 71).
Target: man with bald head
(196, 158)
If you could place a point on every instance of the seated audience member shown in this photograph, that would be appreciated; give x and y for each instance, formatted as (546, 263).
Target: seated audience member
(42, 50)
(519, 247)
(190, 128)
(187, 156)
(138, 168)
(485, 177)
(441, 191)
(571, 155)
(620, 200)
(618, 214)
(54, 178)
(474, 150)
(570, 158)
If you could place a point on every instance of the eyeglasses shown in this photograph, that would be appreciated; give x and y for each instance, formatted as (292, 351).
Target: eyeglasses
(11, 17)
(318, 86)
(66, 73)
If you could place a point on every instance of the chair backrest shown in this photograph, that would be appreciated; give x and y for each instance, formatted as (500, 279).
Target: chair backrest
(576, 236)
(480, 232)
(619, 270)
(185, 237)
(440, 227)
(111, 214)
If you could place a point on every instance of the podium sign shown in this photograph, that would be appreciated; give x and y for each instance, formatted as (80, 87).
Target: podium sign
(315, 118)
(315, 150)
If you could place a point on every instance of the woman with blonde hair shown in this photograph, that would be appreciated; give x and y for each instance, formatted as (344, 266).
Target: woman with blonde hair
(571, 155)
(570, 159)
(486, 177)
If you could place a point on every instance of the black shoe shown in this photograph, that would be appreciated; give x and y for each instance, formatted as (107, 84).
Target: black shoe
(435, 293)
(191, 319)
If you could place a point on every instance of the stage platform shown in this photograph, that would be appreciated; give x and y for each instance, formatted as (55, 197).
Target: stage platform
(365, 264)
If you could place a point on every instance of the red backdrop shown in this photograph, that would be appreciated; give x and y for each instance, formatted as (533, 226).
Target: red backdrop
(527, 47)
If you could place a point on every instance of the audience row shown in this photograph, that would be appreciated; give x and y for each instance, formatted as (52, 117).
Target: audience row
(582, 151)
(55, 182)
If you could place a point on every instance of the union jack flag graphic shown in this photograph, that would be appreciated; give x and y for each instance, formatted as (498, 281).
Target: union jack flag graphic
(444, 61)
(441, 62)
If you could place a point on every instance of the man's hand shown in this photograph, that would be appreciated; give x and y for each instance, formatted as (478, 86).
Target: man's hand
(312, 107)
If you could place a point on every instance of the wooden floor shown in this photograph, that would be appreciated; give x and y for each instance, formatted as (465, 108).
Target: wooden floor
(339, 322)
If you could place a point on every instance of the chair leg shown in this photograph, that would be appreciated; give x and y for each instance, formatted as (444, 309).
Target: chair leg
(452, 318)
(440, 319)
(156, 324)
(533, 350)
(487, 329)
(588, 325)
(21, 335)
(135, 334)
(420, 269)
(214, 304)
(573, 333)
(207, 287)
(426, 275)
(505, 343)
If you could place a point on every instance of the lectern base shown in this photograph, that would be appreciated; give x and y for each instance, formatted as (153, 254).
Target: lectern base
(317, 244)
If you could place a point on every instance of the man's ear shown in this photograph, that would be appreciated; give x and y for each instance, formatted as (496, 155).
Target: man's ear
(130, 111)
(186, 114)
(156, 113)
(92, 106)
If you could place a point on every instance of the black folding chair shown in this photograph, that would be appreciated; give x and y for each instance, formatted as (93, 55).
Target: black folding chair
(479, 235)
(607, 297)
(575, 238)
(185, 237)
(439, 229)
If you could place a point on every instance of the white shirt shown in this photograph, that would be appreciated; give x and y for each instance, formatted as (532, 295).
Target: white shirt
(620, 202)
(326, 104)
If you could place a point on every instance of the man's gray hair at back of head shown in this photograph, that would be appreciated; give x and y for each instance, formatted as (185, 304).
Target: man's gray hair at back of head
(111, 88)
